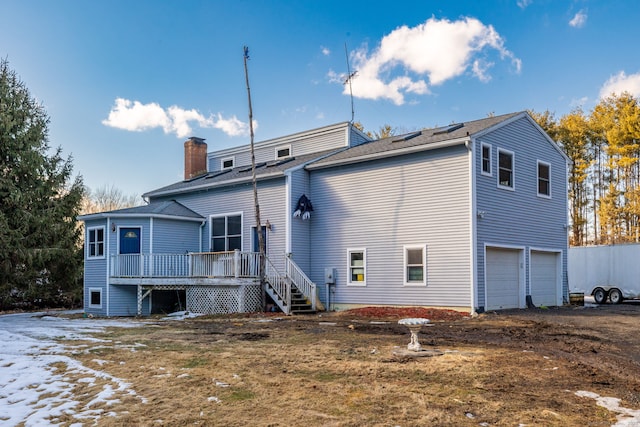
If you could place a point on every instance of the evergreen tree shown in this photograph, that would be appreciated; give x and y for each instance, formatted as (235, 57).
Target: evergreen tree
(40, 251)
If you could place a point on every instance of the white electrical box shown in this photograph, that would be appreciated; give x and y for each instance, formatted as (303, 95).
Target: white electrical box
(330, 276)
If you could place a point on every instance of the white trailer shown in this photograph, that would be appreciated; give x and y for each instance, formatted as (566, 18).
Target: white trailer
(606, 272)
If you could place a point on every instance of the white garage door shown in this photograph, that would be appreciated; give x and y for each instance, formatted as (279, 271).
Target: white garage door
(545, 283)
(503, 278)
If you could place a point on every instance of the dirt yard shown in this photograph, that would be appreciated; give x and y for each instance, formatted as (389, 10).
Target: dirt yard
(523, 367)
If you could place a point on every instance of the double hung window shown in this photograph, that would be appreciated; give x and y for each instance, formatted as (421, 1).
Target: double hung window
(415, 265)
(95, 242)
(506, 169)
(544, 179)
(486, 159)
(357, 259)
(226, 233)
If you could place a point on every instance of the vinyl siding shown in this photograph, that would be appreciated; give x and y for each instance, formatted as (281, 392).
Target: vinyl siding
(95, 272)
(124, 301)
(520, 217)
(356, 138)
(175, 237)
(383, 205)
(239, 198)
(121, 301)
(142, 223)
(300, 229)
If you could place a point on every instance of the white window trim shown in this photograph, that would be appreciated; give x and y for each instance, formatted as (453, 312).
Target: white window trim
(513, 169)
(91, 290)
(364, 266)
(222, 215)
(424, 265)
(283, 147)
(225, 159)
(104, 242)
(544, 196)
(490, 173)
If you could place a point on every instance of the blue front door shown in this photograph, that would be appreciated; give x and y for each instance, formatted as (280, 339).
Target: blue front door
(129, 240)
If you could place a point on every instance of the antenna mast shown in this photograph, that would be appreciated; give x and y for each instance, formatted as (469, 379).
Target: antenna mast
(261, 245)
(350, 76)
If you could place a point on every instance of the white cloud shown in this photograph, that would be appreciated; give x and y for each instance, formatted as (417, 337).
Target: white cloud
(522, 4)
(579, 102)
(620, 83)
(232, 126)
(137, 117)
(437, 49)
(579, 20)
(325, 51)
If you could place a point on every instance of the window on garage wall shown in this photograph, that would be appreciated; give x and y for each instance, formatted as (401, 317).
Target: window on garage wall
(357, 259)
(415, 265)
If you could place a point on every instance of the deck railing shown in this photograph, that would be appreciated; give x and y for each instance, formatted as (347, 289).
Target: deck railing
(201, 264)
(280, 285)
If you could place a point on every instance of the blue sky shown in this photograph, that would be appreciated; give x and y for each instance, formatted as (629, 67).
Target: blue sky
(126, 82)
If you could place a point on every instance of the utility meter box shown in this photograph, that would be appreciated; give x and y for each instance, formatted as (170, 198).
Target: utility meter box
(330, 276)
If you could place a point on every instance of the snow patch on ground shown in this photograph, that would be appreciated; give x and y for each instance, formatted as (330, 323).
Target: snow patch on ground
(626, 418)
(181, 315)
(34, 391)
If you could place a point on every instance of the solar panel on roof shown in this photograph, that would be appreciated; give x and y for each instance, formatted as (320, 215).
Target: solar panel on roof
(213, 175)
(248, 168)
(448, 129)
(280, 162)
(407, 137)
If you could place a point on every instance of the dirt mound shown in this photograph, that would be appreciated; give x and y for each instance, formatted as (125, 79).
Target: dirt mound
(433, 314)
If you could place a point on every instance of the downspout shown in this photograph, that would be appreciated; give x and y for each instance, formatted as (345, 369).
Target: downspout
(150, 251)
(151, 237)
(287, 207)
(204, 221)
(473, 225)
(108, 254)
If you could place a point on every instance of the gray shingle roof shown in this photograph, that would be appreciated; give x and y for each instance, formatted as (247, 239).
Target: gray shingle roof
(240, 174)
(417, 139)
(169, 208)
(382, 147)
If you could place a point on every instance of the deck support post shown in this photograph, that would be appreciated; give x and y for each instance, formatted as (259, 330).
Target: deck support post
(236, 263)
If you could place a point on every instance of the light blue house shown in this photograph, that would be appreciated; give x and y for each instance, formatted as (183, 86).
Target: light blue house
(471, 216)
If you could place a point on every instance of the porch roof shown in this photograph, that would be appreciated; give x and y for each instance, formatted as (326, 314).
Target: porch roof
(166, 209)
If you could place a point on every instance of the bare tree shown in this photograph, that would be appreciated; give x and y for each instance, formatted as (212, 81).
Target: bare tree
(108, 198)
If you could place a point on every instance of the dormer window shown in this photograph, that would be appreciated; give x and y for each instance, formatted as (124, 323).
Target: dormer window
(227, 163)
(283, 152)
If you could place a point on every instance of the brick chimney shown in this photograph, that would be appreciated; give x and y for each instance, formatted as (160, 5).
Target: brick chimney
(195, 157)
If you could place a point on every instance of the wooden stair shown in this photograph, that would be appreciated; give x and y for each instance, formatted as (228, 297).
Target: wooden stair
(300, 304)
(291, 291)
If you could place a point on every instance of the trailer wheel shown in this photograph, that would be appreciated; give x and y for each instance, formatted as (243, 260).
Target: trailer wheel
(615, 296)
(600, 295)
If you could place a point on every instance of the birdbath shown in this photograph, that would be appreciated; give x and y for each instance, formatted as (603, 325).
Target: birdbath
(414, 325)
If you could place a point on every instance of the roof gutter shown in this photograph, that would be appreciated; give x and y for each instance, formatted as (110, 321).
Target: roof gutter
(135, 215)
(391, 153)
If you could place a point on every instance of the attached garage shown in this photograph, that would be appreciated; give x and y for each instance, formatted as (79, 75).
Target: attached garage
(503, 278)
(546, 278)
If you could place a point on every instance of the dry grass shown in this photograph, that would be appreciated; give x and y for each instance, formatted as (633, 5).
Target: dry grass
(296, 371)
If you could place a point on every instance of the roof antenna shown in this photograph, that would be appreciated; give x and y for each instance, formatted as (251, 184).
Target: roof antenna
(350, 76)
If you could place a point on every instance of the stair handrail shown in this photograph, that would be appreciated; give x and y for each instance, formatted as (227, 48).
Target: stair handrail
(280, 284)
(300, 280)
